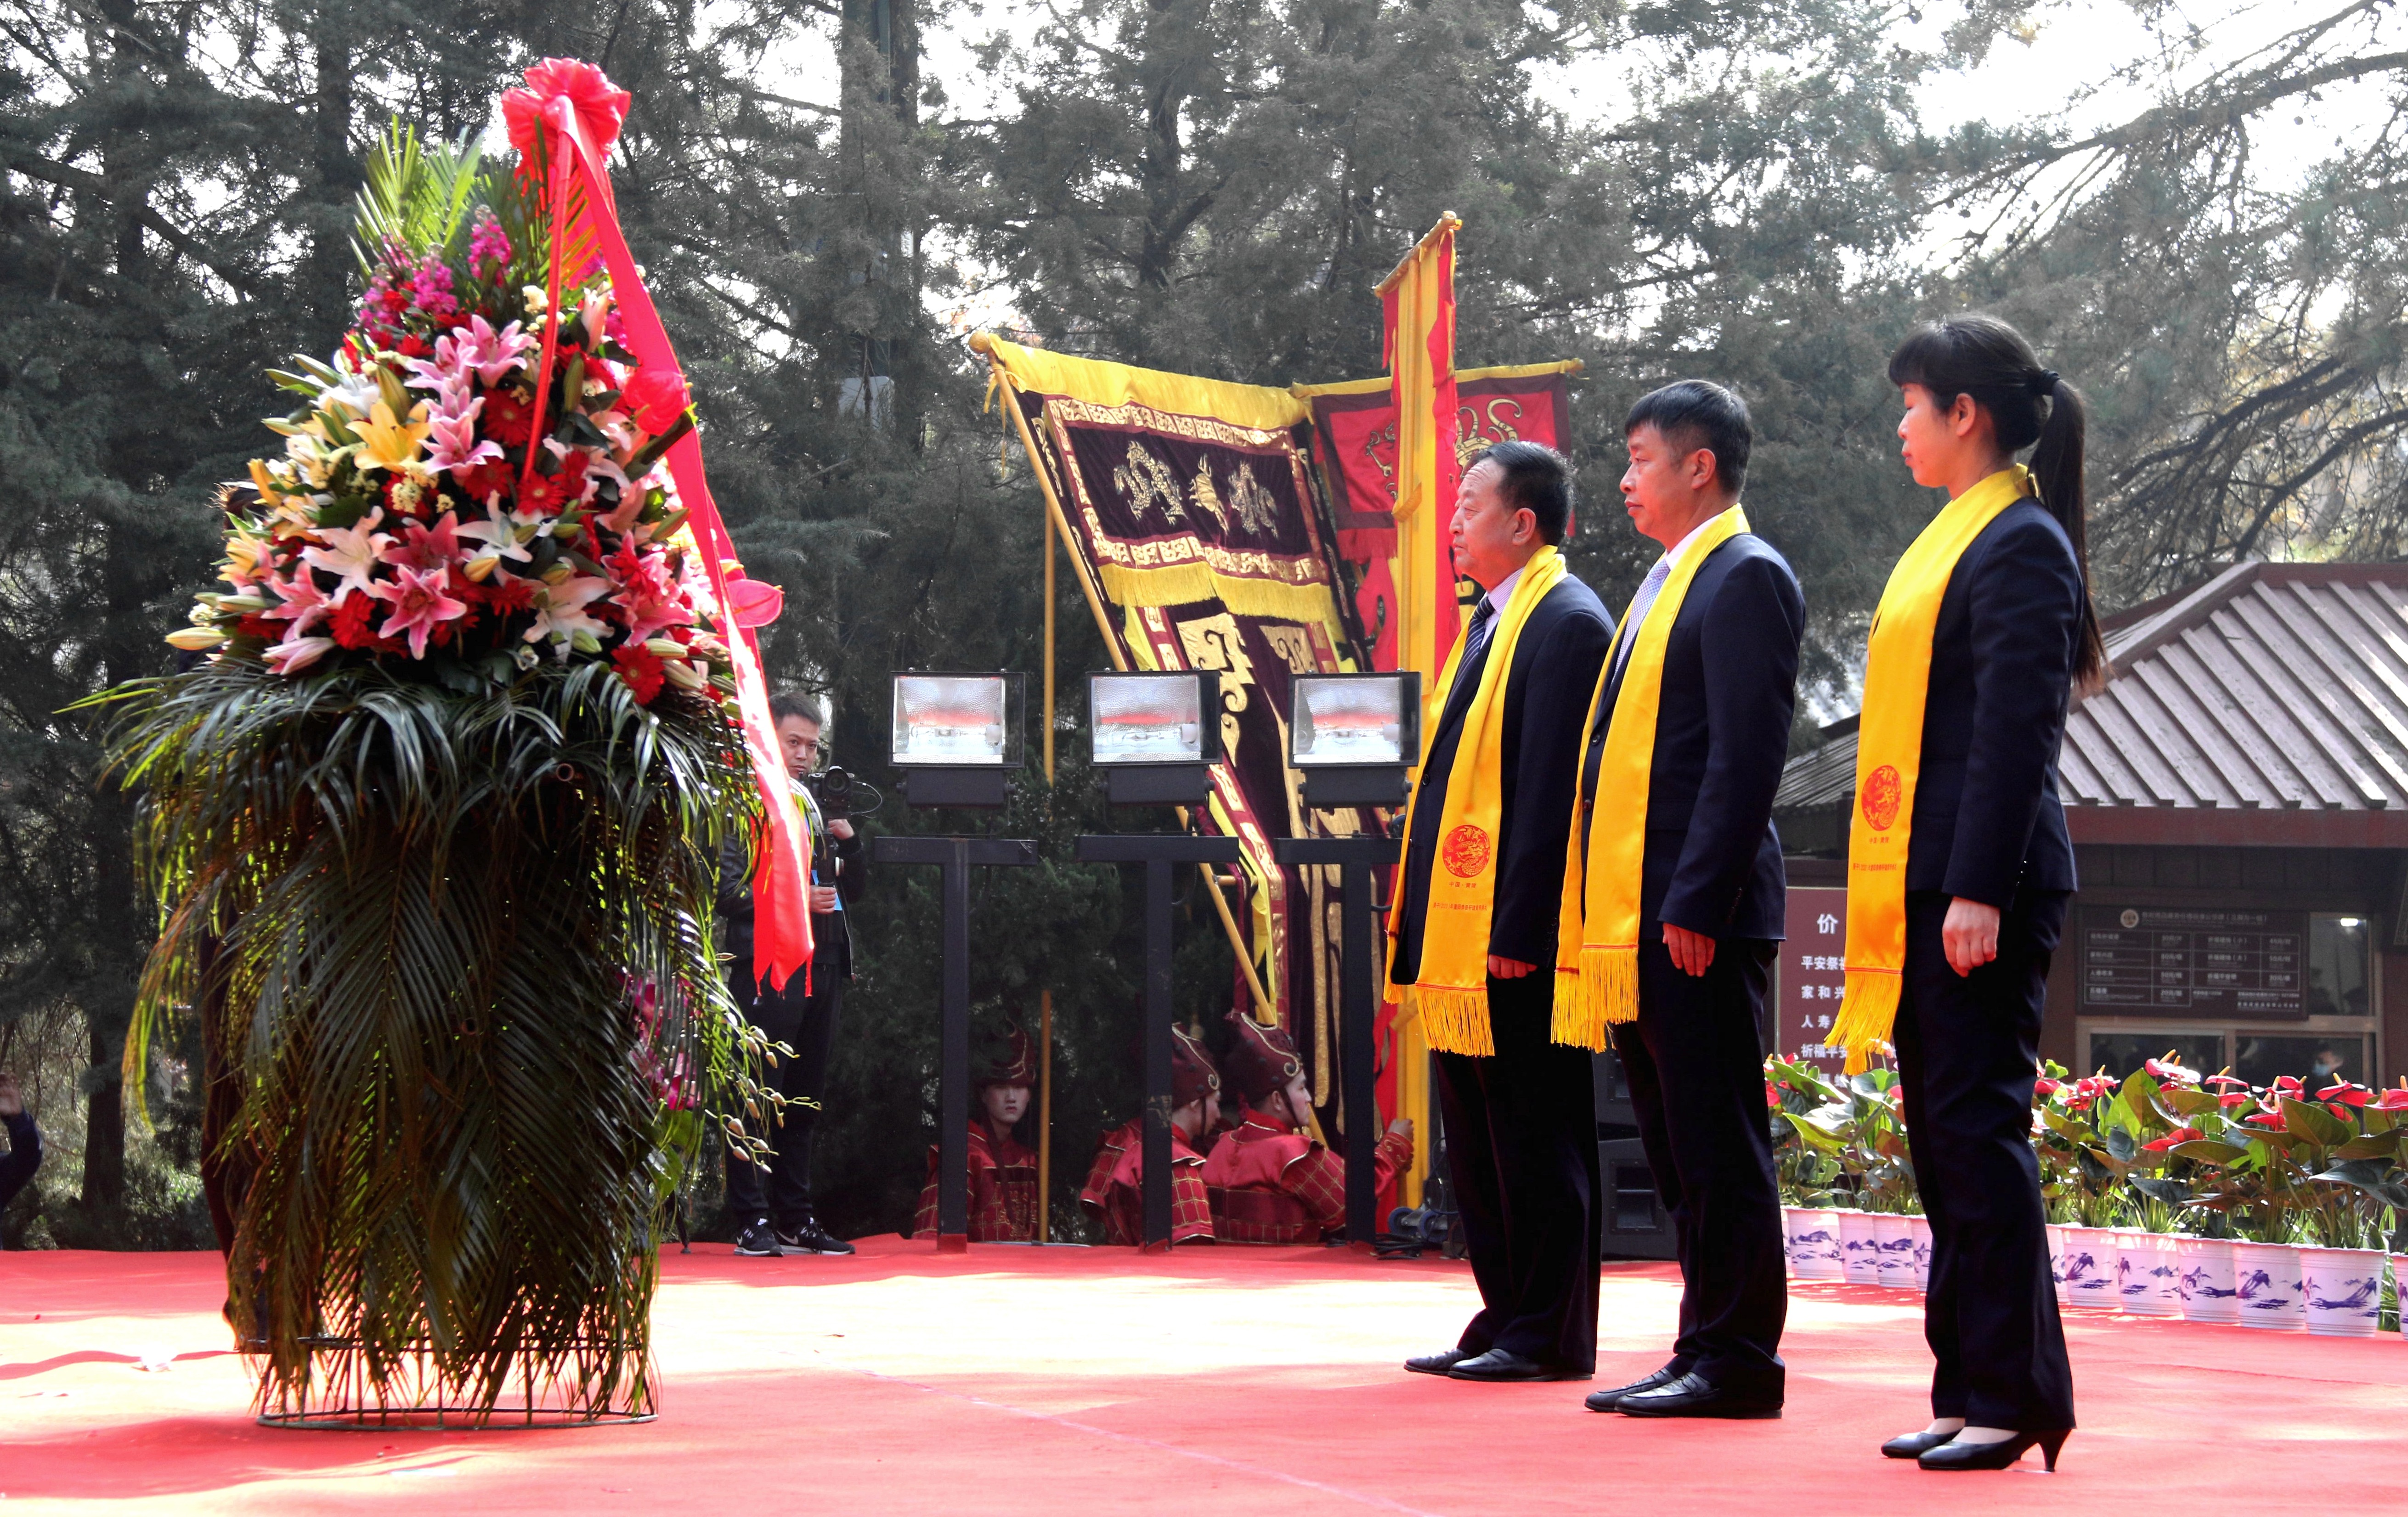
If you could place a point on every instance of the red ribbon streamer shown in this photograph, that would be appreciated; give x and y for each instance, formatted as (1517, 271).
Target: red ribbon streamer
(577, 111)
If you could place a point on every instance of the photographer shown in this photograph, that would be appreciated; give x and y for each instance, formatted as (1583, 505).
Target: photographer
(774, 1208)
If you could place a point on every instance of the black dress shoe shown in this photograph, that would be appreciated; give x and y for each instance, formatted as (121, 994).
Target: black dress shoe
(1914, 1445)
(1609, 1400)
(1500, 1365)
(1694, 1395)
(1438, 1363)
(2000, 1455)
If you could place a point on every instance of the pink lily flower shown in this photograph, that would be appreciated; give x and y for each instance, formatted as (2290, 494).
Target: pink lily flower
(350, 552)
(418, 603)
(295, 653)
(304, 604)
(454, 441)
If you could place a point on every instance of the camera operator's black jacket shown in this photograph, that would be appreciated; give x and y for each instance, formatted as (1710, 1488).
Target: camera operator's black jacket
(831, 937)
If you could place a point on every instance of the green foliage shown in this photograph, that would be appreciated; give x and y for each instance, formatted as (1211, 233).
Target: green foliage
(414, 195)
(452, 948)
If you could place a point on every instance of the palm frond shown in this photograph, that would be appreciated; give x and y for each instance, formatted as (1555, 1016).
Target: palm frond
(415, 193)
(429, 925)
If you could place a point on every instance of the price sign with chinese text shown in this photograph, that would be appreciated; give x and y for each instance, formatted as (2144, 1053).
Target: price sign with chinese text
(1806, 988)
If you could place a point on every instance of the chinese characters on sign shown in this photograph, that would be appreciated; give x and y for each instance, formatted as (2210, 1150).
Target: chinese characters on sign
(2156, 961)
(1810, 972)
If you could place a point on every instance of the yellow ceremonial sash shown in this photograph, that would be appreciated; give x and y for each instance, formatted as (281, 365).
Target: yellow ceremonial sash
(1450, 990)
(1597, 937)
(1889, 752)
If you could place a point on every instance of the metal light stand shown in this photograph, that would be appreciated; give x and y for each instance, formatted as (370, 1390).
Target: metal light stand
(977, 708)
(1157, 852)
(956, 855)
(1358, 1010)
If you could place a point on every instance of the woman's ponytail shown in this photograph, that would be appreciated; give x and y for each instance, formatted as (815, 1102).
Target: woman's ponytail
(2029, 407)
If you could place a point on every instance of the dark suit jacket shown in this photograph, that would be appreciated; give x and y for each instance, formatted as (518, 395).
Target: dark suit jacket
(1556, 663)
(831, 935)
(1986, 814)
(1722, 735)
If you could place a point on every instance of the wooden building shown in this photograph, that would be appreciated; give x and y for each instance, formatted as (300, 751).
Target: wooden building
(2238, 797)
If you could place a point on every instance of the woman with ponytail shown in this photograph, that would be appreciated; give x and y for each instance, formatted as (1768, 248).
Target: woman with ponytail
(1960, 865)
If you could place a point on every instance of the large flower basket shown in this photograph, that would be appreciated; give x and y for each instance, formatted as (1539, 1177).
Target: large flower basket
(432, 815)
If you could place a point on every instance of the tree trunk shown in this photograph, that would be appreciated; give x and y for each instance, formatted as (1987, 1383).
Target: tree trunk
(329, 274)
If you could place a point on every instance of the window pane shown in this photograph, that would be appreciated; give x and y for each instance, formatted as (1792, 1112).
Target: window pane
(2337, 966)
(2317, 1060)
(2120, 1053)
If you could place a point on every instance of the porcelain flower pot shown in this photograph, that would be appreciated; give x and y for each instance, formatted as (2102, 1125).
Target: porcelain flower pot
(1895, 1241)
(2400, 1289)
(2342, 1290)
(2266, 1285)
(2057, 1262)
(1918, 1231)
(1814, 1241)
(1859, 1250)
(2147, 1283)
(2089, 1268)
(2206, 1265)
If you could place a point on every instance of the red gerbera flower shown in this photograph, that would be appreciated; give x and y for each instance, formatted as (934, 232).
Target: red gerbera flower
(351, 622)
(505, 418)
(640, 669)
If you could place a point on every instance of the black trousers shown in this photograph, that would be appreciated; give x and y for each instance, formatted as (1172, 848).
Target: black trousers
(1521, 1143)
(1967, 1047)
(1694, 1060)
(807, 1024)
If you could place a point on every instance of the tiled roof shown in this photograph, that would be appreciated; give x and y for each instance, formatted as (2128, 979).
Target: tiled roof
(2269, 704)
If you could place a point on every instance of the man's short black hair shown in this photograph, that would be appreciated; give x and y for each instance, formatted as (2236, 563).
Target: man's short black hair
(1695, 413)
(1532, 477)
(788, 703)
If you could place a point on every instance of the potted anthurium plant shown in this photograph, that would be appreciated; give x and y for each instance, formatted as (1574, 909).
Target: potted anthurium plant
(1804, 1173)
(2303, 1178)
(1858, 1127)
(2083, 1192)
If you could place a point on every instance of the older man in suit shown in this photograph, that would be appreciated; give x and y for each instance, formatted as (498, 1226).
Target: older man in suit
(1474, 926)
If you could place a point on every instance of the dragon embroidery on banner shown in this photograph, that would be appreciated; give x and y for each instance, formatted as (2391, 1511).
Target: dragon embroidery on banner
(1257, 511)
(1147, 480)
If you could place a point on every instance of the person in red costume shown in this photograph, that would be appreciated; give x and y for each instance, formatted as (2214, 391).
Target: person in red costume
(1269, 1181)
(1114, 1194)
(1003, 1169)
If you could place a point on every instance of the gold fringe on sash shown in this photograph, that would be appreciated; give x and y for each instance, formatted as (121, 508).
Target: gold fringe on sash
(1603, 994)
(1868, 1015)
(1453, 1021)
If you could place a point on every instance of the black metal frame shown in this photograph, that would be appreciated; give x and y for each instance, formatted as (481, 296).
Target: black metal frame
(1157, 852)
(1358, 1008)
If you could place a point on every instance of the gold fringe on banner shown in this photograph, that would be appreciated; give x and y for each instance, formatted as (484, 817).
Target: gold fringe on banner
(1604, 993)
(1181, 584)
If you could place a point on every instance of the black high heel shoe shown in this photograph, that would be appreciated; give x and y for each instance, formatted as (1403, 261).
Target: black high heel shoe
(2000, 1455)
(1914, 1445)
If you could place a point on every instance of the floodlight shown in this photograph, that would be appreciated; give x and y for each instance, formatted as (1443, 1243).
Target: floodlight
(957, 736)
(1155, 735)
(1354, 735)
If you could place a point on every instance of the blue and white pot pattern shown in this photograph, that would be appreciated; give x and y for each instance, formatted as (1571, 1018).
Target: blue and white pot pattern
(2266, 1285)
(2343, 1289)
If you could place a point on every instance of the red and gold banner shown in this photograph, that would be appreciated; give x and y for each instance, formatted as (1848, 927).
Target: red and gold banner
(1355, 434)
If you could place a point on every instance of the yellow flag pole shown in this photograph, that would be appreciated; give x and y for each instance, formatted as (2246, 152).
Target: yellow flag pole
(1045, 997)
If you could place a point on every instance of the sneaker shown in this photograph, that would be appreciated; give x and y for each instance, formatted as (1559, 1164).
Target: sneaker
(809, 1237)
(758, 1241)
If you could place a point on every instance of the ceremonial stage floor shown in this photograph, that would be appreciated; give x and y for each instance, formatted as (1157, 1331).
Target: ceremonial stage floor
(1064, 1382)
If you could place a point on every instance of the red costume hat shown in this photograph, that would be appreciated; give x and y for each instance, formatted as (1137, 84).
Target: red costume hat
(1008, 1060)
(1261, 1059)
(1193, 1076)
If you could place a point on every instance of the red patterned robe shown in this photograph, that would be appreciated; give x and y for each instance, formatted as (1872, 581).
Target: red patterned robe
(1116, 1190)
(1003, 1191)
(1269, 1184)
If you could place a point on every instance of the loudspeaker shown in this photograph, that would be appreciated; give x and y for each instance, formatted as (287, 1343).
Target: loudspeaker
(1633, 1222)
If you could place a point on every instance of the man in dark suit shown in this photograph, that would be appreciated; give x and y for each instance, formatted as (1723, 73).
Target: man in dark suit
(772, 1207)
(1521, 1124)
(1710, 902)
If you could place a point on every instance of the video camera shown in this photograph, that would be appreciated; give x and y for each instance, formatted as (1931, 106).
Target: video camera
(832, 787)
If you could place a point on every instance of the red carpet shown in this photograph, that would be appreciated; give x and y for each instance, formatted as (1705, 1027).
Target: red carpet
(1073, 1381)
